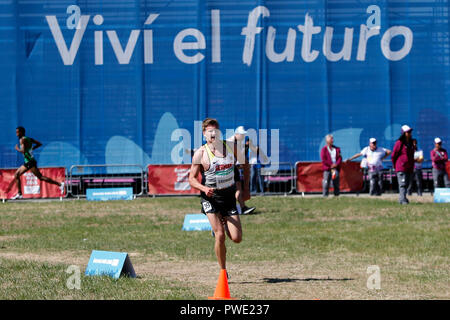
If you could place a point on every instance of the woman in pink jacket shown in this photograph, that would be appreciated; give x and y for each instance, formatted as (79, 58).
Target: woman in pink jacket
(439, 158)
(403, 162)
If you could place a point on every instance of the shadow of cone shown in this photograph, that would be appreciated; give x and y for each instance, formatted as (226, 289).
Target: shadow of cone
(222, 290)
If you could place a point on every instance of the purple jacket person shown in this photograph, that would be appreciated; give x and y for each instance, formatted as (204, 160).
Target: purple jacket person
(439, 158)
(331, 165)
(403, 162)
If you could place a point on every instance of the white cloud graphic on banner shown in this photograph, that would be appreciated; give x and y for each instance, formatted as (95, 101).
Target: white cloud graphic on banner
(60, 154)
(347, 140)
(121, 150)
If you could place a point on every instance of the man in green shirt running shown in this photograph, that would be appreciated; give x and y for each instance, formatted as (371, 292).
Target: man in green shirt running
(27, 145)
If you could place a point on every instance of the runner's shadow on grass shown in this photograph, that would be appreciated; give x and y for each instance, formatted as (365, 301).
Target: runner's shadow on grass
(287, 280)
(281, 280)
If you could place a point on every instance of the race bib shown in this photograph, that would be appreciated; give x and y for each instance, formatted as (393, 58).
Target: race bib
(206, 206)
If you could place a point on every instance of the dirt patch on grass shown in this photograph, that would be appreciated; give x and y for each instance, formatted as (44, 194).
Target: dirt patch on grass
(67, 257)
(341, 276)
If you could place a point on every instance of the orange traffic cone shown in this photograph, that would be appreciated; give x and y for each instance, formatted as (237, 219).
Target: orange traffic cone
(222, 291)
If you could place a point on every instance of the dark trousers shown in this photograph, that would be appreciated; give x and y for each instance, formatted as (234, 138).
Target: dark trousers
(418, 178)
(376, 183)
(256, 180)
(440, 178)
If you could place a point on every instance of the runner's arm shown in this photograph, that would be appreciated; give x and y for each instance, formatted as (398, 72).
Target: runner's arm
(195, 170)
(22, 148)
(36, 143)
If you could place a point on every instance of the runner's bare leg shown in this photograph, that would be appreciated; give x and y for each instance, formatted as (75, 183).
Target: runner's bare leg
(233, 224)
(38, 174)
(17, 174)
(219, 233)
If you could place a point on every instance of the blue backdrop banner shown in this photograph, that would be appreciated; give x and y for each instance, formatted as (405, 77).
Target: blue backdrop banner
(120, 82)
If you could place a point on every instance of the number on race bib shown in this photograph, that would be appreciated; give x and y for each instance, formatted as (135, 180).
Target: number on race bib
(207, 206)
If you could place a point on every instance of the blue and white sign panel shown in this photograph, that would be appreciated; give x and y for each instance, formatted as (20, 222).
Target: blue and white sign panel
(106, 194)
(109, 263)
(122, 82)
(442, 195)
(196, 222)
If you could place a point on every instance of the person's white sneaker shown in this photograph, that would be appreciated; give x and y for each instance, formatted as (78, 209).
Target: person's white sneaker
(17, 196)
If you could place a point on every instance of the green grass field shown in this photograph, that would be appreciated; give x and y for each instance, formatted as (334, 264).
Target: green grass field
(293, 248)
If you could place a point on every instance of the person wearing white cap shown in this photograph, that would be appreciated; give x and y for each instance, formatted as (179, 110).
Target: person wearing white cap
(255, 155)
(238, 139)
(439, 158)
(417, 176)
(403, 162)
(374, 156)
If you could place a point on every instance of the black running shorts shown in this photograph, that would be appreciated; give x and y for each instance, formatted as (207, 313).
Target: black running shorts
(223, 202)
(237, 174)
(30, 164)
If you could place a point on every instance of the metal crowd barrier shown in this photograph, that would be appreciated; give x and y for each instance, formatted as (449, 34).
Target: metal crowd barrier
(82, 177)
(276, 179)
(281, 180)
(390, 182)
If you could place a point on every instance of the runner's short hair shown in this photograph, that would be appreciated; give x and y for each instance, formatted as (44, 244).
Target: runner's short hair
(209, 122)
(21, 129)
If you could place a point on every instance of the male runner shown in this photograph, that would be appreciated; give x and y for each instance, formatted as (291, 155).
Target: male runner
(217, 160)
(26, 147)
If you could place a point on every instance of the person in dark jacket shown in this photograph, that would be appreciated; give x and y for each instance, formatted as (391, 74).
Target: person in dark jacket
(331, 165)
(439, 158)
(403, 162)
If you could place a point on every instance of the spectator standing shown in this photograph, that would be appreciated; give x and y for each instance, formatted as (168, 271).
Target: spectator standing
(439, 158)
(403, 162)
(331, 165)
(374, 156)
(238, 140)
(417, 176)
(255, 156)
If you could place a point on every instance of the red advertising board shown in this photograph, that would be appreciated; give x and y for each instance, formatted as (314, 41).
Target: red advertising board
(310, 175)
(32, 187)
(170, 179)
(174, 179)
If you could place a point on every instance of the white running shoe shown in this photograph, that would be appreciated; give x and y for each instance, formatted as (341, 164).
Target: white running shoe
(17, 196)
(247, 210)
(61, 187)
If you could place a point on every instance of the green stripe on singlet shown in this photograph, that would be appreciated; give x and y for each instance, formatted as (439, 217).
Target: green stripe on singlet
(224, 172)
(27, 150)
